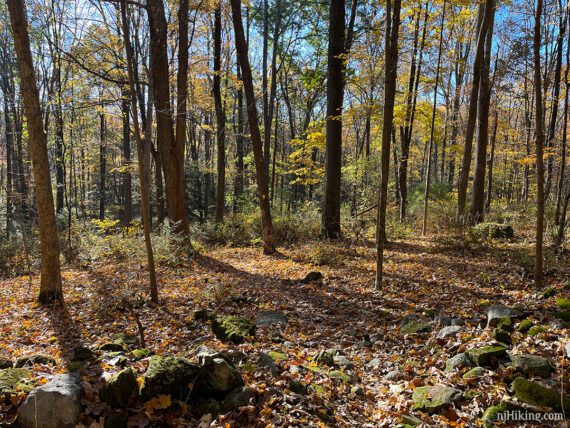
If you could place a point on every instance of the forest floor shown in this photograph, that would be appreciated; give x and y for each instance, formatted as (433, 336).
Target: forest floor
(426, 276)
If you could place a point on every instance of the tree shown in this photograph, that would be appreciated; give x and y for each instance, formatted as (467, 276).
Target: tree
(220, 115)
(335, 91)
(50, 283)
(539, 141)
(262, 183)
(390, 75)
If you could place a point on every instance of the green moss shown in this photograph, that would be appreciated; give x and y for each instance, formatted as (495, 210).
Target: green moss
(120, 389)
(525, 326)
(535, 394)
(549, 292)
(536, 330)
(494, 230)
(35, 359)
(139, 354)
(474, 373)
(532, 365)
(563, 303)
(277, 356)
(337, 374)
(505, 324)
(564, 316)
(13, 380)
(168, 375)
(430, 399)
(229, 328)
(415, 326)
(482, 356)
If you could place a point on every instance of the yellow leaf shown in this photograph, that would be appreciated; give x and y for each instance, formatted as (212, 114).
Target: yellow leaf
(157, 403)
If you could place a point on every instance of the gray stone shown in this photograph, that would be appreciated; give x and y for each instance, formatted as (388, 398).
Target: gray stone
(374, 363)
(266, 361)
(168, 375)
(532, 365)
(451, 330)
(412, 324)
(206, 355)
(487, 355)
(342, 361)
(229, 328)
(216, 379)
(394, 376)
(474, 373)
(57, 404)
(431, 399)
(536, 394)
(458, 362)
(411, 420)
(496, 313)
(120, 389)
(35, 359)
(567, 346)
(270, 317)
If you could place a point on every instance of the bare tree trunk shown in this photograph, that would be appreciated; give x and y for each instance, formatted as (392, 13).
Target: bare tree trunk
(127, 181)
(262, 185)
(539, 148)
(238, 183)
(335, 89)
(220, 117)
(102, 164)
(491, 161)
(390, 73)
(50, 284)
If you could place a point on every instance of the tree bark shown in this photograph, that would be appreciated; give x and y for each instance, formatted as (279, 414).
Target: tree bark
(220, 117)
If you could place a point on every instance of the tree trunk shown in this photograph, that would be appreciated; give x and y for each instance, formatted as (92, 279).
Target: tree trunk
(220, 117)
(238, 183)
(335, 89)
(50, 284)
(491, 161)
(102, 165)
(262, 185)
(127, 181)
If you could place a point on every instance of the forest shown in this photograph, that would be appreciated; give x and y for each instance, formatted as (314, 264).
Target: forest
(258, 213)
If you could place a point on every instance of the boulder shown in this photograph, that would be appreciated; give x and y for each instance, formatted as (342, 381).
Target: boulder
(236, 398)
(13, 380)
(35, 359)
(532, 365)
(448, 321)
(313, 276)
(270, 317)
(535, 394)
(394, 376)
(525, 326)
(491, 413)
(265, 360)
(451, 330)
(502, 336)
(326, 356)
(342, 361)
(494, 230)
(431, 399)
(411, 421)
(229, 328)
(139, 354)
(458, 362)
(5, 363)
(125, 339)
(413, 324)
(120, 389)
(168, 375)
(216, 378)
(57, 404)
(497, 313)
(474, 373)
(486, 355)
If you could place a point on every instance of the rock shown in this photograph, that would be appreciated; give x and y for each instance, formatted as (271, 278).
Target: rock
(139, 354)
(563, 303)
(206, 355)
(506, 324)
(431, 399)
(168, 375)
(116, 420)
(535, 330)
(120, 389)
(270, 317)
(448, 321)
(236, 398)
(342, 361)
(474, 373)
(411, 420)
(216, 378)
(232, 329)
(126, 339)
(485, 355)
(357, 390)
(277, 356)
(35, 359)
(202, 315)
(298, 387)
(458, 362)
(535, 394)
(112, 347)
(13, 380)
(496, 313)
(532, 365)
(266, 361)
(57, 404)
(494, 230)
(502, 336)
(374, 363)
(451, 330)
(525, 326)
(413, 324)
(337, 374)
(82, 353)
(326, 356)
(5, 363)
(492, 412)
(313, 276)
(549, 292)
(394, 376)
(567, 347)
(562, 315)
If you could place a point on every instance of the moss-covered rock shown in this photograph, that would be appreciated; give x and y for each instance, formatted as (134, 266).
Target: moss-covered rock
(120, 389)
(82, 353)
(326, 356)
(337, 374)
(535, 330)
(168, 375)
(237, 397)
(563, 315)
(229, 328)
(298, 387)
(491, 413)
(414, 325)
(13, 380)
(563, 303)
(474, 373)
(458, 362)
(535, 394)
(549, 292)
(277, 356)
(5, 363)
(505, 324)
(139, 354)
(35, 359)
(411, 421)
(532, 365)
(494, 230)
(501, 335)
(112, 347)
(216, 378)
(125, 339)
(484, 355)
(525, 326)
(431, 399)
